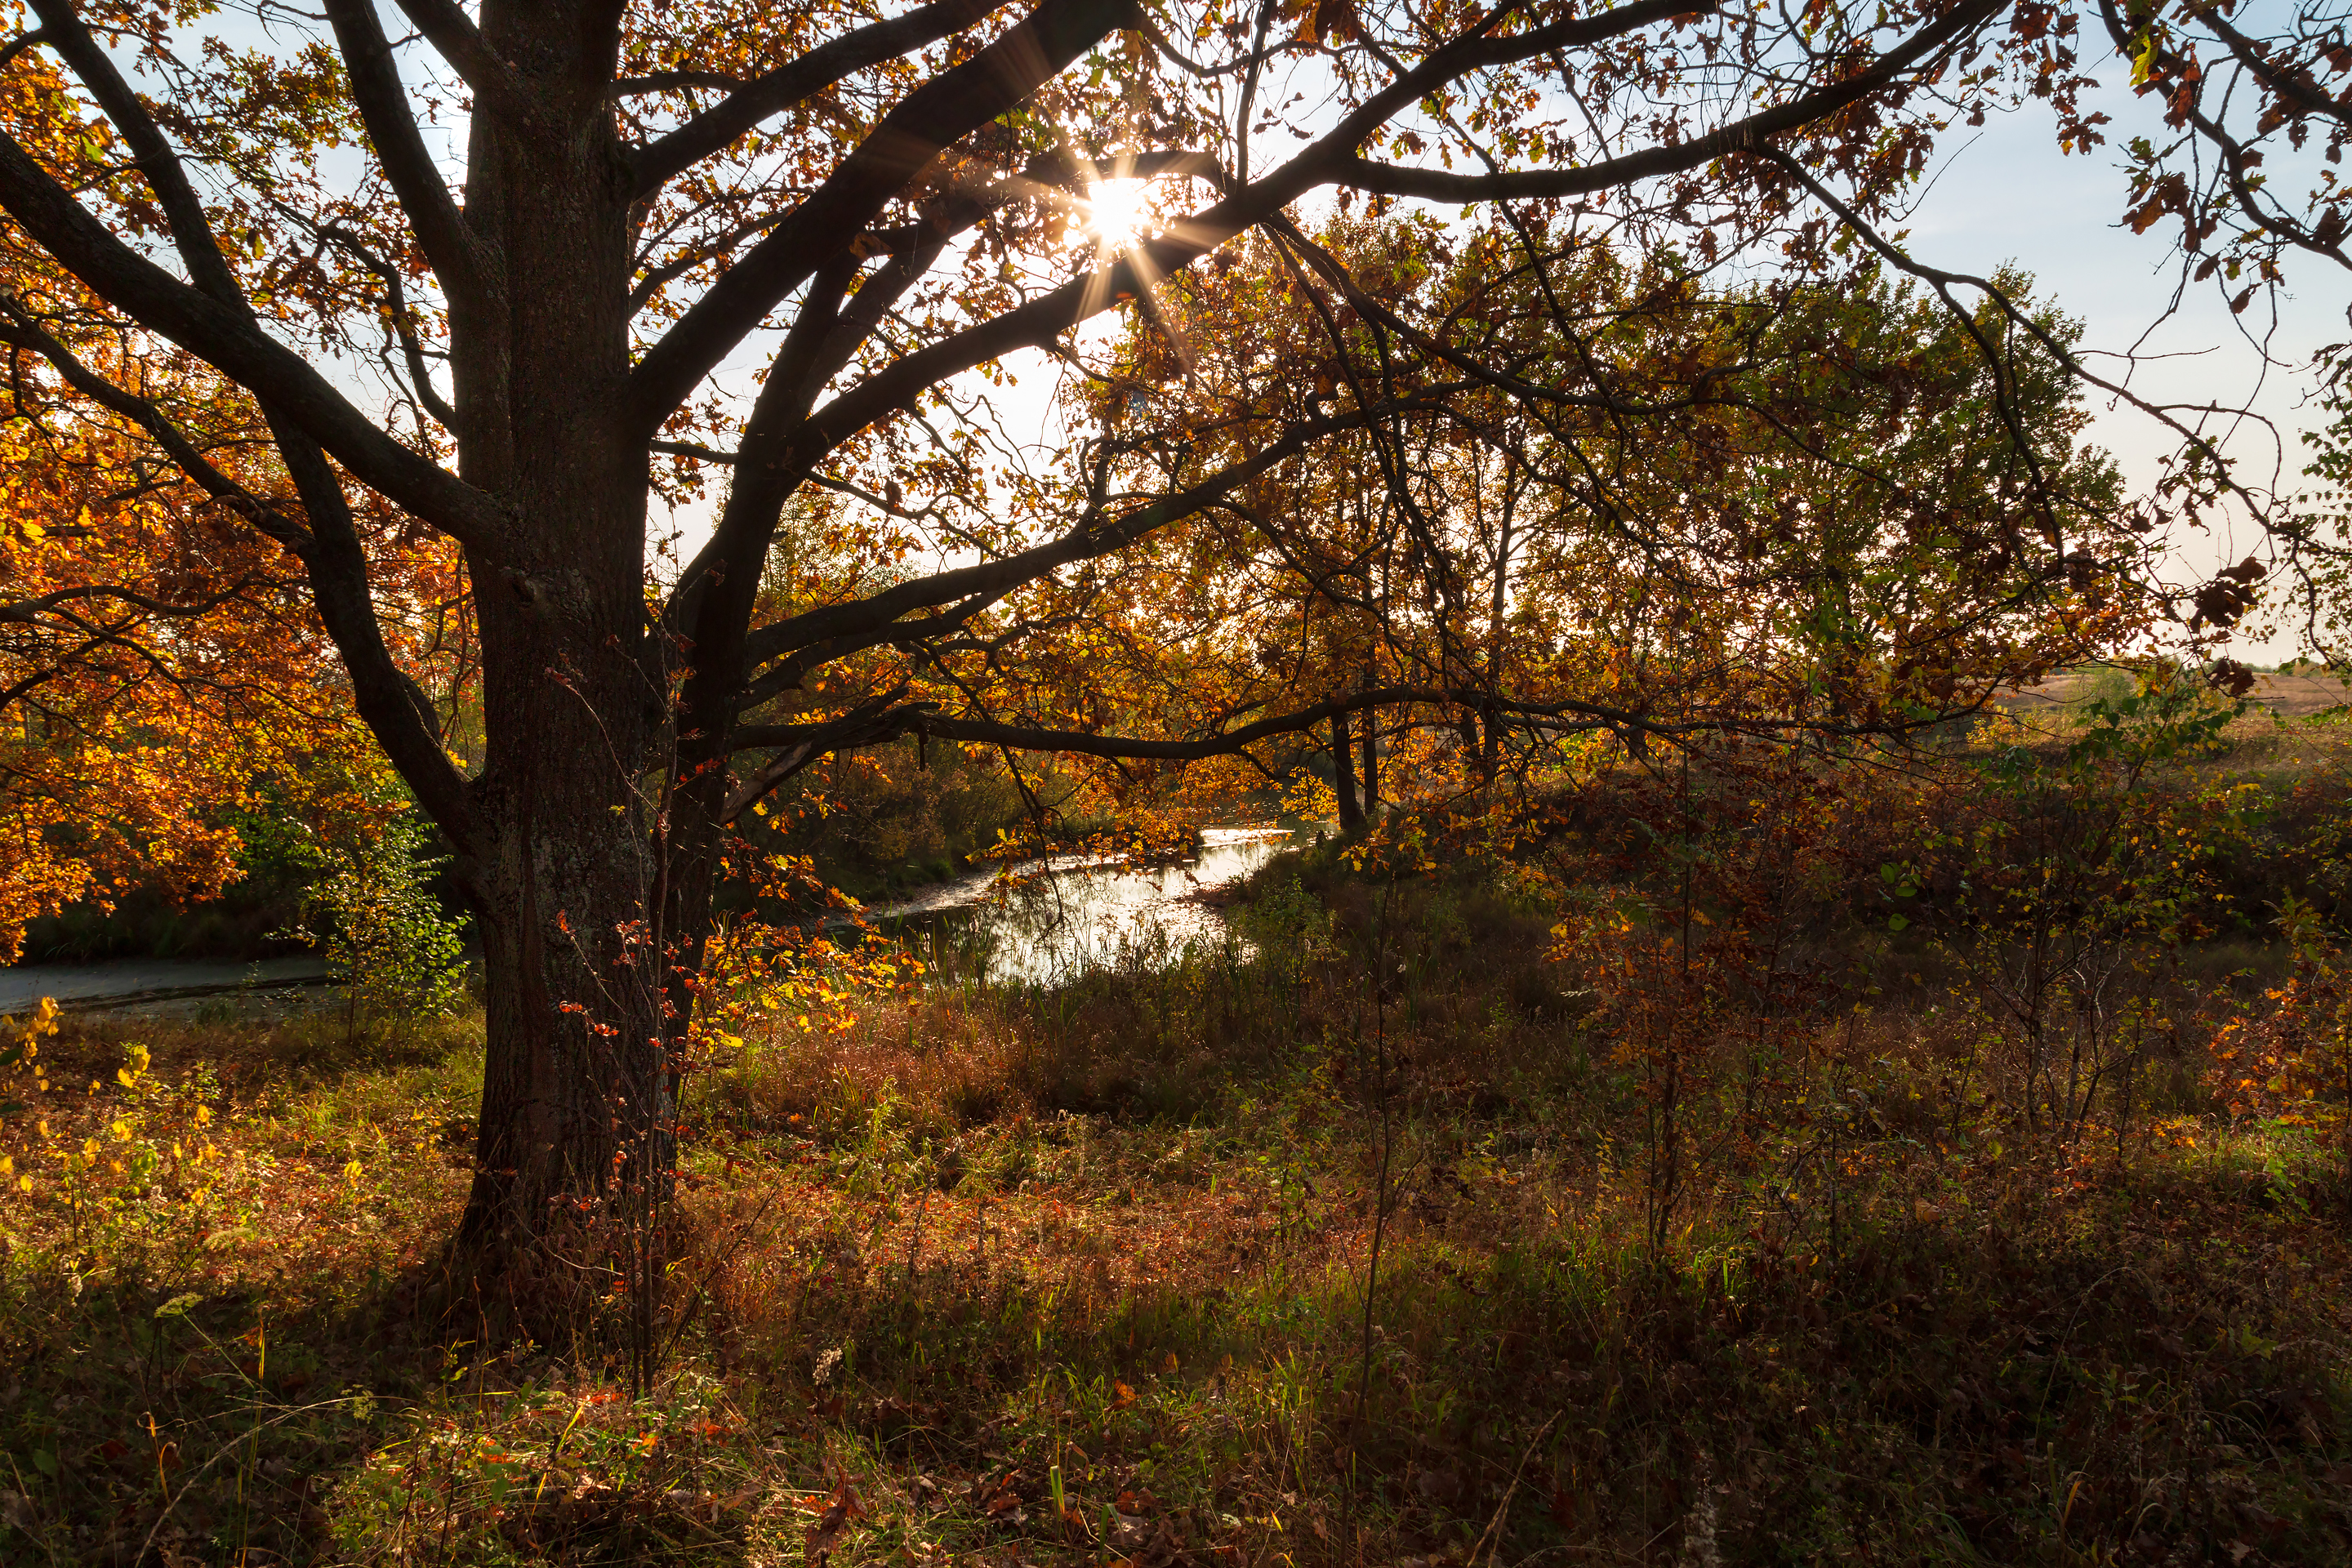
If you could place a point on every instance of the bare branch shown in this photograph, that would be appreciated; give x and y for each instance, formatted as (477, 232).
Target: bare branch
(753, 100)
(1443, 185)
(467, 270)
(497, 85)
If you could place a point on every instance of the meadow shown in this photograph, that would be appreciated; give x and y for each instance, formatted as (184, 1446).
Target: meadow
(1408, 1225)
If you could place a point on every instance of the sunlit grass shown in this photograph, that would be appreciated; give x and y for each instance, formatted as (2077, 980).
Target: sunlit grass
(1080, 1275)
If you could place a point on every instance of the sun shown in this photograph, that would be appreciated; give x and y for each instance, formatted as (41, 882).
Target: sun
(1115, 211)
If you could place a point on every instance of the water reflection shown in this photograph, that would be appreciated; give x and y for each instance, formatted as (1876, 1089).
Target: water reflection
(1044, 923)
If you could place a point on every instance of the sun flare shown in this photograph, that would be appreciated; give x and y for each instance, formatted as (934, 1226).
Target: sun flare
(1115, 211)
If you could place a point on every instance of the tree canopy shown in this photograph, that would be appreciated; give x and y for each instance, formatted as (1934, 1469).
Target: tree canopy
(1574, 288)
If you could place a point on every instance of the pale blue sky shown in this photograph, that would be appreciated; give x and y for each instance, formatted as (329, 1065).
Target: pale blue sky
(2008, 194)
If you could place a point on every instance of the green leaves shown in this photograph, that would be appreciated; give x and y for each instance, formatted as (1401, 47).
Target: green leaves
(385, 933)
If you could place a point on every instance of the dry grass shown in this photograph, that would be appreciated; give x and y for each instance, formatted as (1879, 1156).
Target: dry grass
(1081, 1275)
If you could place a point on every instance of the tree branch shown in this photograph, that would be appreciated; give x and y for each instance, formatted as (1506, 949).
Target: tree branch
(152, 154)
(467, 270)
(427, 398)
(1084, 543)
(752, 102)
(28, 612)
(1443, 185)
(402, 718)
(2287, 85)
(497, 85)
(18, 328)
(1042, 320)
(224, 336)
(929, 119)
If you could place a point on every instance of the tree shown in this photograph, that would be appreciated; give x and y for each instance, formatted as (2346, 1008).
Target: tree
(1720, 510)
(2257, 112)
(158, 658)
(2240, 92)
(399, 956)
(867, 207)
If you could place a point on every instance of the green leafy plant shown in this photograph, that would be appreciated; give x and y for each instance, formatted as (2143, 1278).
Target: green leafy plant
(383, 934)
(2084, 864)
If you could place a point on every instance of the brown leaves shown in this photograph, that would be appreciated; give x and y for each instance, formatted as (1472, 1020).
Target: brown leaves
(820, 1538)
(2225, 601)
(1333, 19)
(1000, 1498)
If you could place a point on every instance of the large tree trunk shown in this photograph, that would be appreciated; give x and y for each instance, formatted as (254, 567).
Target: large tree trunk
(1343, 775)
(567, 878)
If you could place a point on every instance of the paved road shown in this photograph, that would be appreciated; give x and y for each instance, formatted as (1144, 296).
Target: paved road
(147, 984)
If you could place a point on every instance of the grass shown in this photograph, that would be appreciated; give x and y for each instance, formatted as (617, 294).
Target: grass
(1079, 1276)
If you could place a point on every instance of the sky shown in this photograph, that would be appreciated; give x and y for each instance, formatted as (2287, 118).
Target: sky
(2009, 196)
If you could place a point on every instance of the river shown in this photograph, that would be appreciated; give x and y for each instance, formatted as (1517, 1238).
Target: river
(1037, 923)
(1044, 923)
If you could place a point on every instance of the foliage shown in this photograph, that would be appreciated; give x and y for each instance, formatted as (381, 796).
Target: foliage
(399, 955)
(2078, 868)
(2292, 1064)
(1805, 518)
(1078, 1271)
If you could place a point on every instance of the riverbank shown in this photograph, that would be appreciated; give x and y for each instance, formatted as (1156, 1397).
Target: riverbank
(1037, 923)
(159, 988)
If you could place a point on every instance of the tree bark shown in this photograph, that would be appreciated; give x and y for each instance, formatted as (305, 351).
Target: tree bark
(567, 878)
(1343, 775)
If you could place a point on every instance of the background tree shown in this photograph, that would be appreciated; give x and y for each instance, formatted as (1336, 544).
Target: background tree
(1711, 512)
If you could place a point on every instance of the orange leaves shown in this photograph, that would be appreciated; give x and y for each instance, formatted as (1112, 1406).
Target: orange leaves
(154, 662)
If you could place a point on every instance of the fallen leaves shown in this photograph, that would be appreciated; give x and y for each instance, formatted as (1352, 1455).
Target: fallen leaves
(820, 1538)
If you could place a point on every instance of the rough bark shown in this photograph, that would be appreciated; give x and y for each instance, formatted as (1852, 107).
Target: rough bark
(1343, 775)
(566, 875)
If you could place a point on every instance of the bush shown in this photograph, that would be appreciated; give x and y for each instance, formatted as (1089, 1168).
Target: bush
(385, 934)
